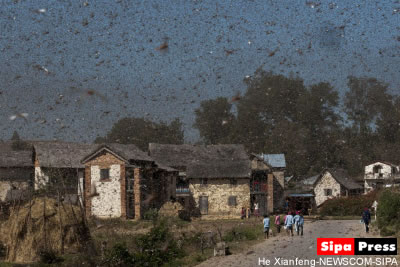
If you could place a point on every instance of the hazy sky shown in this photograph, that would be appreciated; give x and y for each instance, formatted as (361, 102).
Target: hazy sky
(76, 67)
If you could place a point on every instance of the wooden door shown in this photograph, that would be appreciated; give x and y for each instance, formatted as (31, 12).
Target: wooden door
(203, 203)
(130, 197)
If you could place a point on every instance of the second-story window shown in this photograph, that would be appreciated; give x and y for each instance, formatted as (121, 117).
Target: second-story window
(104, 174)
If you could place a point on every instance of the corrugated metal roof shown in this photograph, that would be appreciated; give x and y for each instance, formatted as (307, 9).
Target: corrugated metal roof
(275, 160)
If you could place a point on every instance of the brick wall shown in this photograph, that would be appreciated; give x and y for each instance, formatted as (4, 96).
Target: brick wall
(270, 193)
(136, 192)
(123, 191)
(88, 184)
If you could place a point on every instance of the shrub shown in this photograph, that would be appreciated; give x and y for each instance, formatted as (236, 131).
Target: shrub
(158, 247)
(348, 206)
(242, 233)
(151, 215)
(49, 257)
(389, 212)
(118, 255)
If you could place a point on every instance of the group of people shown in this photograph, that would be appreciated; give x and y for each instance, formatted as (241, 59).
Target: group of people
(246, 212)
(291, 221)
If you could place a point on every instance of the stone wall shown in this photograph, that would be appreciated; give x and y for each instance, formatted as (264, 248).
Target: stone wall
(218, 191)
(386, 171)
(12, 190)
(326, 182)
(108, 200)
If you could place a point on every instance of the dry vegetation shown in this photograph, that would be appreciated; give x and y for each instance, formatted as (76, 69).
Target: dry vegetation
(42, 226)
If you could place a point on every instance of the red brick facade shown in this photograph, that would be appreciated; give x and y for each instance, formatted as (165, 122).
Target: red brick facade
(123, 192)
(270, 193)
(136, 192)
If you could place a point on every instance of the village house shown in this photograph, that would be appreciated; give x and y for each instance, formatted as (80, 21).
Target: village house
(334, 183)
(16, 173)
(214, 180)
(300, 194)
(123, 181)
(58, 168)
(381, 174)
(267, 182)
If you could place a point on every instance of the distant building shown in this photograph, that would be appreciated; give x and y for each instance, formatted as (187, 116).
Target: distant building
(16, 173)
(123, 181)
(334, 183)
(214, 180)
(58, 164)
(267, 181)
(381, 174)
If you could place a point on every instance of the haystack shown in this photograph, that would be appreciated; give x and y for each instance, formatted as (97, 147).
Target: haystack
(170, 209)
(43, 225)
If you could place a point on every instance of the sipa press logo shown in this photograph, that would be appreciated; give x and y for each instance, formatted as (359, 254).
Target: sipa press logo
(356, 246)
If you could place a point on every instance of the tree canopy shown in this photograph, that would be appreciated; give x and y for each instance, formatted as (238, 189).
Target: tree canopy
(141, 132)
(309, 124)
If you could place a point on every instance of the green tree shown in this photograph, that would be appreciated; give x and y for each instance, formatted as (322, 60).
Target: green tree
(141, 132)
(215, 121)
(17, 143)
(280, 114)
(364, 102)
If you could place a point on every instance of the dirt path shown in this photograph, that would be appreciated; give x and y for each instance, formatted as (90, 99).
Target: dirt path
(291, 247)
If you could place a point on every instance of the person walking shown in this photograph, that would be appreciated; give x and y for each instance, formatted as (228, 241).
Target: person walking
(301, 224)
(289, 221)
(256, 210)
(366, 217)
(375, 207)
(296, 222)
(266, 226)
(278, 222)
(243, 213)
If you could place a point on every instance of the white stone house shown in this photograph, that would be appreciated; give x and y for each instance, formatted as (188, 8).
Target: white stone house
(381, 174)
(123, 181)
(214, 180)
(334, 183)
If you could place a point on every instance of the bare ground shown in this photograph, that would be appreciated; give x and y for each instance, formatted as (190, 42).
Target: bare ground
(284, 246)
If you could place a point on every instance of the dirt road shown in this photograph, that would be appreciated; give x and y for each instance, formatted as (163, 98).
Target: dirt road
(286, 247)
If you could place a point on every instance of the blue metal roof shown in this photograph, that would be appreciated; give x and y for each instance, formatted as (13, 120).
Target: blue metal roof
(275, 160)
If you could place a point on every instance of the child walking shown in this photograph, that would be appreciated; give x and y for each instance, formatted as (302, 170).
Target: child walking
(266, 226)
(278, 222)
(289, 221)
(301, 224)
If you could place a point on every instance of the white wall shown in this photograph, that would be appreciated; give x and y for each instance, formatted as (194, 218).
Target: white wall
(326, 182)
(386, 171)
(41, 179)
(107, 203)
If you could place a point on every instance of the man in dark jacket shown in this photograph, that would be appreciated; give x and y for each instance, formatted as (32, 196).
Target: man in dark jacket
(366, 216)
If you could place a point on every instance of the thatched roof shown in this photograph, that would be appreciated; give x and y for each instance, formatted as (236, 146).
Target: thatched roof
(212, 161)
(14, 158)
(342, 177)
(61, 154)
(126, 152)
